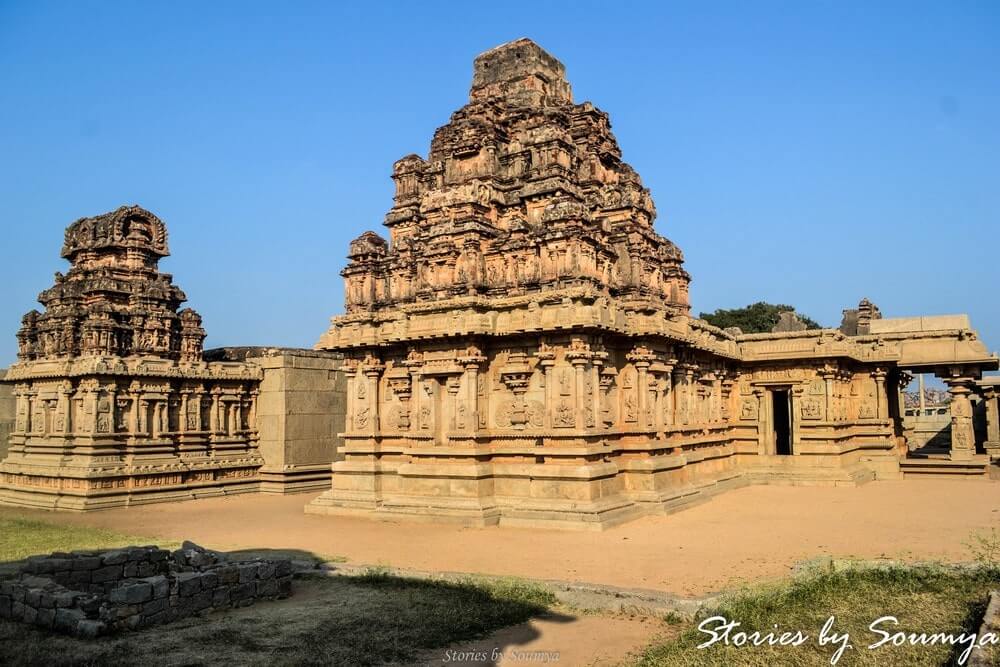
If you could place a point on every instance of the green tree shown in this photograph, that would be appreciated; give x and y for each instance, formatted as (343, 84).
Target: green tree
(758, 317)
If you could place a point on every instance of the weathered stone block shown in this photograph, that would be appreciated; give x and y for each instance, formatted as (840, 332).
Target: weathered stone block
(209, 580)
(154, 606)
(160, 584)
(5, 603)
(81, 577)
(201, 600)
(267, 588)
(90, 629)
(65, 598)
(45, 618)
(248, 572)
(131, 569)
(229, 574)
(244, 591)
(220, 597)
(188, 583)
(117, 557)
(68, 619)
(265, 571)
(107, 573)
(132, 593)
(87, 563)
(29, 615)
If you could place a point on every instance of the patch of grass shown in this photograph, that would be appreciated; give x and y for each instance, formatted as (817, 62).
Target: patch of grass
(370, 619)
(21, 537)
(923, 599)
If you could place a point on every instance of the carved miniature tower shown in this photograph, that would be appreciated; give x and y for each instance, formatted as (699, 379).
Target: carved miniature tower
(114, 402)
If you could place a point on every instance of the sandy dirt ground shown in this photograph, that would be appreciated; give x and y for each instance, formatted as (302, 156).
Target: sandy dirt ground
(741, 536)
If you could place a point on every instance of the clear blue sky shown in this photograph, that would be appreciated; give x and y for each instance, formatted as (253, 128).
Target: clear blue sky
(810, 153)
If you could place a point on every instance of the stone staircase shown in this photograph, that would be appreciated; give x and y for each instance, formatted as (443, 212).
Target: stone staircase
(936, 462)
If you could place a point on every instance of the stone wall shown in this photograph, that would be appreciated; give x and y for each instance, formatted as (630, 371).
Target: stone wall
(300, 414)
(6, 413)
(87, 593)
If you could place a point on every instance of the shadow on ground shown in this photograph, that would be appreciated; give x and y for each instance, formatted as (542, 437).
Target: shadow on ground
(373, 618)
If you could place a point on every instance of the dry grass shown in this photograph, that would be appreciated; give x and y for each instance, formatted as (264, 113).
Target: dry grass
(367, 620)
(21, 537)
(924, 599)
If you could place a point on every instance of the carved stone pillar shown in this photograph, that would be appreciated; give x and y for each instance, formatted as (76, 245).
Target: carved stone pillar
(763, 422)
(881, 397)
(963, 437)
(63, 408)
(689, 393)
(679, 399)
(23, 409)
(351, 373)
(372, 373)
(992, 398)
(182, 418)
(828, 374)
(547, 360)
(215, 416)
(668, 393)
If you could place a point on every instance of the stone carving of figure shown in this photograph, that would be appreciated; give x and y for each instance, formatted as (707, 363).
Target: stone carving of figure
(564, 413)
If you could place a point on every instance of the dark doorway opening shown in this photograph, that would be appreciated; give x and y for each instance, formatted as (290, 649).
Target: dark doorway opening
(782, 423)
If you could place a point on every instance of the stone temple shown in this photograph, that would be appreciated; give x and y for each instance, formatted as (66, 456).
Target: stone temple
(519, 351)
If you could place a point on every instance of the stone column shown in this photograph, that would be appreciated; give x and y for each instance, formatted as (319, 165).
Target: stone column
(881, 397)
(828, 376)
(642, 387)
(182, 426)
(963, 438)
(762, 420)
(595, 390)
(64, 407)
(372, 373)
(580, 400)
(992, 399)
(679, 399)
(548, 364)
(351, 373)
(472, 395)
(689, 392)
(668, 394)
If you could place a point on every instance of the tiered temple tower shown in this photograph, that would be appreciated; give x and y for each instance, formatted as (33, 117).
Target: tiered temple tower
(114, 402)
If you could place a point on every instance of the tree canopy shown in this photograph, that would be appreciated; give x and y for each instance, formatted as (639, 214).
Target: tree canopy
(758, 317)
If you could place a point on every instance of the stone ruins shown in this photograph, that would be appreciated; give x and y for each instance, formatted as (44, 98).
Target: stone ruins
(92, 593)
(520, 351)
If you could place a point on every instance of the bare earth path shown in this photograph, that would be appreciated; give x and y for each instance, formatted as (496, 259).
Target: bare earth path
(743, 535)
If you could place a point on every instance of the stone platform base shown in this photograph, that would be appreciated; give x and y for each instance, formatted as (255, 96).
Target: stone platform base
(550, 513)
(75, 502)
(977, 467)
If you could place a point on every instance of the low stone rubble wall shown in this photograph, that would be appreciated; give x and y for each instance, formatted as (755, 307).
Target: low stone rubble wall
(87, 593)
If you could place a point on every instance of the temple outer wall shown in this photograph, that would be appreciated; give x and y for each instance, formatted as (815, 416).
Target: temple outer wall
(300, 414)
(7, 404)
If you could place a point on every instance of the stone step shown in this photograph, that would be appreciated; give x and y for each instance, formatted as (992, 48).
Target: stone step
(976, 467)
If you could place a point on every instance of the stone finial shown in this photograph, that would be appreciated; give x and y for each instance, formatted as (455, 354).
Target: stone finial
(521, 72)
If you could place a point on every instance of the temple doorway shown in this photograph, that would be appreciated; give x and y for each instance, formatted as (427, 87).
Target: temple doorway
(781, 409)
